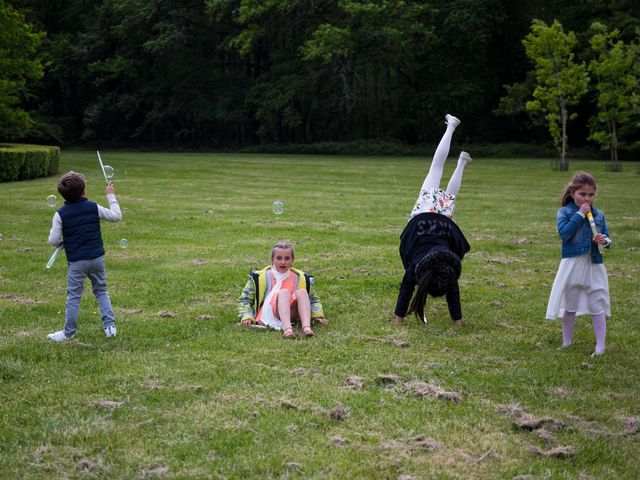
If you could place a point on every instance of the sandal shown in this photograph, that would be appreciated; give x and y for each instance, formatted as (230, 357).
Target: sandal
(307, 332)
(289, 333)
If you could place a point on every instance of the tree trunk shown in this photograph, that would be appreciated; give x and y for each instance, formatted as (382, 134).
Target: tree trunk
(614, 144)
(563, 119)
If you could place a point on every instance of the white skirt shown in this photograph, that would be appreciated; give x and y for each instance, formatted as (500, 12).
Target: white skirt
(580, 286)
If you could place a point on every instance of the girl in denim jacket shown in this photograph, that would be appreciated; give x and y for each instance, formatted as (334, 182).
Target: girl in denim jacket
(581, 286)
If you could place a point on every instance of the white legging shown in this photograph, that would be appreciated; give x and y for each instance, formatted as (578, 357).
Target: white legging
(437, 166)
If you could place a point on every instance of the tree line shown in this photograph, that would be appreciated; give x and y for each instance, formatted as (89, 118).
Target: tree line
(233, 73)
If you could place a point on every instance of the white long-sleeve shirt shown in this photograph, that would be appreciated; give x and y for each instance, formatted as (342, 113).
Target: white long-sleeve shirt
(111, 214)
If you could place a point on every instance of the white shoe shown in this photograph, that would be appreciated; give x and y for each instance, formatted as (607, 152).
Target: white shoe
(597, 353)
(59, 336)
(465, 157)
(110, 331)
(451, 120)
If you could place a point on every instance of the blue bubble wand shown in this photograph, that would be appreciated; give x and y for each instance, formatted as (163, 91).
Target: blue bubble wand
(54, 256)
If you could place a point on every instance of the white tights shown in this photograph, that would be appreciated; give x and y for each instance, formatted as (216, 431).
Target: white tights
(437, 166)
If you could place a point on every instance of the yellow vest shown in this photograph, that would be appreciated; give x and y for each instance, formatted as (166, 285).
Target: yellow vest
(260, 281)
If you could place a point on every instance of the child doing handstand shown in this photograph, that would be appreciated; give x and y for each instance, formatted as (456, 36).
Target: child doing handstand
(432, 246)
(581, 286)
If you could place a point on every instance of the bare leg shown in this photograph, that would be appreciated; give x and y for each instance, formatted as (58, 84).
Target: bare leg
(440, 156)
(456, 179)
(304, 311)
(283, 303)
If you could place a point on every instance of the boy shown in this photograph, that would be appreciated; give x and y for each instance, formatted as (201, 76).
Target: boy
(78, 224)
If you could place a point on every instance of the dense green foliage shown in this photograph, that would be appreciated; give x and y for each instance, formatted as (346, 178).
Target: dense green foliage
(229, 73)
(617, 68)
(182, 392)
(18, 65)
(24, 162)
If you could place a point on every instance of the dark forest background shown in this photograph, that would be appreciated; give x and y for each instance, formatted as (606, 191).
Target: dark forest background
(239, 73)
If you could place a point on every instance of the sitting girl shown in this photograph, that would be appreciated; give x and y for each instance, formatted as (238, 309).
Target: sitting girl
(287, 292)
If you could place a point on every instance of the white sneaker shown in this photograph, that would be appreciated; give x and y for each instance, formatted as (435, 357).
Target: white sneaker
(59, 336)
(464, 156)
(110, 331)
(597, 353)
(451, 120)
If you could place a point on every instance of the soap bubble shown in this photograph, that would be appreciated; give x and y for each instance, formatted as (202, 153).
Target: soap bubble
(124, 243)
(52, 200)
(278, 207)
(108, 171)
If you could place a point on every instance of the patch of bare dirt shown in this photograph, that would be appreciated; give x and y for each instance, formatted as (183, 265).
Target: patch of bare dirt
(481, 238)
(563, 451)
(167, 314)
(511, 410)
(338, 413)
(206, 317)
(87, 466)
(286, 403)
(108, 404)
(387, 379)
(546, 436)
(130, 311)
(394, 341)
(156, 471)
(423, 443)
(338, 441)
(501, 260)
(530, 422)
(19, 299)
(354, 382)
(197, 262)
(631, 424)
(427, 390)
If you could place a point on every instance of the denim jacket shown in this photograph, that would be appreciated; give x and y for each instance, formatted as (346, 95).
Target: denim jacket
(575, 232)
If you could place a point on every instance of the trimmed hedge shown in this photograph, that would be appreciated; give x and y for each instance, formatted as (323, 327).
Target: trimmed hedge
(22, 162)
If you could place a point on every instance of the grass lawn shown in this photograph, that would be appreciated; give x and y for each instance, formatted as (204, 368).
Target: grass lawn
(182, 392)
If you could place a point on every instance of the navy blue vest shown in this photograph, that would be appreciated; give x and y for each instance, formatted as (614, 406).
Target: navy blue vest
(81, 230)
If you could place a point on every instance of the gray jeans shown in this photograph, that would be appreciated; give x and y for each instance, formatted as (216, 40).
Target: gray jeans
(78, 271)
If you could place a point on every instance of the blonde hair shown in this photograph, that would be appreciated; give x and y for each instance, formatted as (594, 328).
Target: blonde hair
(579, 180)
(284, 246)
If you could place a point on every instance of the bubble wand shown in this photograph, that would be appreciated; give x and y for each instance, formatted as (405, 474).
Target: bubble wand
(54, 256)
(594, 229)
(102, 167)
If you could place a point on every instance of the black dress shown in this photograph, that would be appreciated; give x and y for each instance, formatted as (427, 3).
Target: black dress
(424, 233)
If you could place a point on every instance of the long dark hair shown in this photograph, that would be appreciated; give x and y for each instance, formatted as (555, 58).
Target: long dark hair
(434, 282)
(579, 180)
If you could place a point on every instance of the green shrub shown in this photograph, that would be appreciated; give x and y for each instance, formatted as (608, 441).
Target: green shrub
(23, 162)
